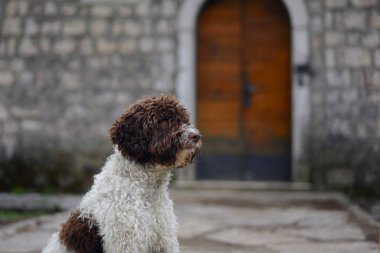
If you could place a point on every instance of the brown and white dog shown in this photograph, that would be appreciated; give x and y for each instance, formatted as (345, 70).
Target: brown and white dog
(128, 208)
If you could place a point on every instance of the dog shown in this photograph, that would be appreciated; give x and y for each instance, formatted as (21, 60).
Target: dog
(128, 208)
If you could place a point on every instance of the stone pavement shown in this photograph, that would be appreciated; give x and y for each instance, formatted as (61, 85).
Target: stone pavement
(240, 222)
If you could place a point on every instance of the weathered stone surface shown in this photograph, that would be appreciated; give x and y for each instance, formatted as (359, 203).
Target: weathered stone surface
(375, 19)
(27, 47)
(377, 58)
(3, 113)
(50, 8)
(340, 177)
(334, 38)
(355, 20)
(333, 4)
(146, 45)
(6, 78)
(330, 57)
(12, 26)
(132, 29)
(105, 46)
(364, 3)
(31, 26)
(69, 9)
(101, 11)
(64, 46)
(98, 27)
(354, 57)
(371, 40)
(127, 47)
(50, 27)
(74, 27)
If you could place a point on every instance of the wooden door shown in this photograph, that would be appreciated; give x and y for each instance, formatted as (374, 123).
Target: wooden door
(243, 90)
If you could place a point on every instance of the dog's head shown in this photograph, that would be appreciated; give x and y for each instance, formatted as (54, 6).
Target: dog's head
(156, 131)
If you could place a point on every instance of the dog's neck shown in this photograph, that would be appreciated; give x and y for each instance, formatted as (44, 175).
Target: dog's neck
(148, 176)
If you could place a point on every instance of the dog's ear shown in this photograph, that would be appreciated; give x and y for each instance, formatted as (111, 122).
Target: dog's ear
(163, 148)
(129, 137)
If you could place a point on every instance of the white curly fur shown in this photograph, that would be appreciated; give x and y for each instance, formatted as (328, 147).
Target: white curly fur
(131, 206)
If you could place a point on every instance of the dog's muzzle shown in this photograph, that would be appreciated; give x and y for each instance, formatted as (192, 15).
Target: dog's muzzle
(191, 138)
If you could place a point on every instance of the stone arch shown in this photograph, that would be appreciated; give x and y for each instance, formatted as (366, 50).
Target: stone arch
(186, 83)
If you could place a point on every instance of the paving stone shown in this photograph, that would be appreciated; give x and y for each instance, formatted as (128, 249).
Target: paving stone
(211, 221)
(317, 247)
(248, 237)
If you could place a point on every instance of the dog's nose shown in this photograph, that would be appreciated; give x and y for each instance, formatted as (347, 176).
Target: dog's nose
(194, 136)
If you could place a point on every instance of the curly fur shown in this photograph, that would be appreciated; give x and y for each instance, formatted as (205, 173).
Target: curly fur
(128, 208)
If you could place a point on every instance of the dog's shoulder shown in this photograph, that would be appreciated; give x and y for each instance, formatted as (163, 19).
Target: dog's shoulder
(81, 235)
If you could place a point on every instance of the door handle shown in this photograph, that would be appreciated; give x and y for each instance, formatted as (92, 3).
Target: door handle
(248, 89)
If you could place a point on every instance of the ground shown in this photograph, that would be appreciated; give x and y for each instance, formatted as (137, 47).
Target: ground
(239, 222)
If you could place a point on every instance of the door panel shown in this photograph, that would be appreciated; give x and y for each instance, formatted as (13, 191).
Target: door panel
(243, 90)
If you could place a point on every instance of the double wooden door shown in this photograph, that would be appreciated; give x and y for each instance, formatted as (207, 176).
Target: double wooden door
(243, 90)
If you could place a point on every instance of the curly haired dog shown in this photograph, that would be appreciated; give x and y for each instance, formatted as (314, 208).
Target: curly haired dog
(128, 207)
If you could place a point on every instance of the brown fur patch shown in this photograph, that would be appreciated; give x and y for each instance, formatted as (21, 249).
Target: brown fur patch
(77, 235)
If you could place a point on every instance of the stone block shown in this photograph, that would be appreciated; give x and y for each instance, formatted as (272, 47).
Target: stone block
(168, 8)
(349, 96)
(106, 46)
(74, 27)
(117, 28)
(50, 8)
(142, 9)
(127, 46)
(86, 46)
(11, 46)
(11, 8)
(17, 65)
(163, 27)
(353, 38)
(377, 58)
(316, 24)
(124, 11)
(316, 6)
(333, 38)
(50, 27)
(12, 26)
(70, 80)
(335, 4)
(45, 45)
(31, 26)
(23, 7)
(354, 57)
(31, 125)
(371, 40)
(329, 19)
(338, 78)
(64, 46)
(3, 113)
(27, 47)
(364, 3)
(6, 78)
(69, 9)
(132, 29)
(376, 78)
(355, 20)
(98, 27)
(22, 113)
(165, 44)
(375, 19)
(330, 57)
(146, 45)
(101, 11)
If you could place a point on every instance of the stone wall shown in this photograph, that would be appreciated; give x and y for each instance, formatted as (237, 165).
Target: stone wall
(344, 141)
(68, 68)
